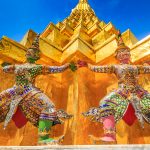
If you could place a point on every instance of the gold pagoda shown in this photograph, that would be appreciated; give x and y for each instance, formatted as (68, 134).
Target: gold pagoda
(81, 36)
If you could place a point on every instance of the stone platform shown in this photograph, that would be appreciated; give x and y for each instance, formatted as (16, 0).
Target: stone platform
(79, 147)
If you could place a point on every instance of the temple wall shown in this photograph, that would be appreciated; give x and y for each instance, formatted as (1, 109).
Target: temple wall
(74, 92)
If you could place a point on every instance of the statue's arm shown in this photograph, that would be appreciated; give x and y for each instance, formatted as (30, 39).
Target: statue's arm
(102, 69)
(144, 69)
(54, 69)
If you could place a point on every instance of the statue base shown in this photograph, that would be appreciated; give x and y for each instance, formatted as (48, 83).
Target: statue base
(79, 147)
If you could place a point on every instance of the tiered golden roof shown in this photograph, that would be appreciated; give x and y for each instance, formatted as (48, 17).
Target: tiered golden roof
(82, 31)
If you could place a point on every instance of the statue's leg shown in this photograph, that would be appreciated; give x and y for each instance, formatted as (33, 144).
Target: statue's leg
(47, 119)
(109, 129)
(112, 108)
(44, 130)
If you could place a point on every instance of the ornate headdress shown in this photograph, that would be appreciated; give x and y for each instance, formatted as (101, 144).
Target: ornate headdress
(35, 44)
(121, 46)
(33, 52)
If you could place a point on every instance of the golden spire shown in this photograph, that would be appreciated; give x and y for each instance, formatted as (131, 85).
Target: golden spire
(83, 1)
(83, 5)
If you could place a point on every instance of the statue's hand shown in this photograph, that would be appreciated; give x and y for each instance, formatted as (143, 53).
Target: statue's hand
(82, 64)
(73, 66)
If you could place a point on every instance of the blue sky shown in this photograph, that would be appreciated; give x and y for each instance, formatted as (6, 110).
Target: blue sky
(17, 16)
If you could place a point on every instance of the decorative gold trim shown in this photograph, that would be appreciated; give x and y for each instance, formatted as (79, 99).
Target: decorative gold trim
(110, 131)
(44, 132)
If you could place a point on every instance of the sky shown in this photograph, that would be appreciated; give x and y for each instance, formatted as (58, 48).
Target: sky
(18, 16)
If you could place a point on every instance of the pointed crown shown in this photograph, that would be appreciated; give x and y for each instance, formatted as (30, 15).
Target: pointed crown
(121, 44)
(35, 44)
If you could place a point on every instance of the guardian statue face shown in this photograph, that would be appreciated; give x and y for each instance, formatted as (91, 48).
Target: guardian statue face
(32, 55)
(123, 56)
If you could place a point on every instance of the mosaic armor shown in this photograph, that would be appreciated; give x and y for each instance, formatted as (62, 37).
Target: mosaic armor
(129, 92)
(32, 102)
(129, 102)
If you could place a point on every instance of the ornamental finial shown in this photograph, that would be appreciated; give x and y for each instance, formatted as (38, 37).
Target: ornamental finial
(121, 44)
(35, 43)
(83, 1)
